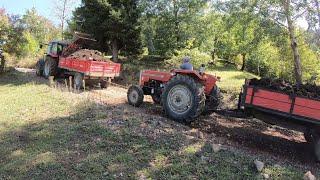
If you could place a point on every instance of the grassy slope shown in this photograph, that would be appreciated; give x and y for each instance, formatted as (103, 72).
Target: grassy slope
(231, 78)
(46, 133)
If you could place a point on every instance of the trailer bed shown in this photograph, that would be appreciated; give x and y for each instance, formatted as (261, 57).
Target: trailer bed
(99, 69)
(280, 103)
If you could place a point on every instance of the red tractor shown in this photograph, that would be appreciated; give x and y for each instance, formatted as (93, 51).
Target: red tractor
(184, 94)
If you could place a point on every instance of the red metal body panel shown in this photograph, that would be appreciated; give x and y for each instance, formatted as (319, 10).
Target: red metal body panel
(148, 75)
(208, 80)
(91, 68)
(272, 100)
(281, 102)
(307, 108)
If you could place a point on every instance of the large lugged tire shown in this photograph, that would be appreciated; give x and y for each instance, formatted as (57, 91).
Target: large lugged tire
(135, 95)
(50, 68)
(40, 67)
(213, 101)
(183, 99)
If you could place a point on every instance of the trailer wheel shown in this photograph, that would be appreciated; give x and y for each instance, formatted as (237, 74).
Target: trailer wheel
(213, 101)
(103, 84)
(78, 80)
(135, 95)
(39, 67)
(183, 99)
(50, 68)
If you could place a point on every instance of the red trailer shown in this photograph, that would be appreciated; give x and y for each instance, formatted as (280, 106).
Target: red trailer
(59, 61)
(288, 110)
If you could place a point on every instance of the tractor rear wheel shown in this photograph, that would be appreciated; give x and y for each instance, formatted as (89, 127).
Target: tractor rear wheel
(183, 99)
(50, 68)
(213, 101)
(135, 95)
(78, 80)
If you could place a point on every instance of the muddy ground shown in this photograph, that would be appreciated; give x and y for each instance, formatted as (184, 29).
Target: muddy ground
(244, 135)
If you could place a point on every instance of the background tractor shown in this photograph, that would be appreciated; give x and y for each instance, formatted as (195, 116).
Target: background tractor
(77, 59)
(184, 94)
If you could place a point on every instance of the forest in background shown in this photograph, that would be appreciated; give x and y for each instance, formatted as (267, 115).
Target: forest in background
(262, 37)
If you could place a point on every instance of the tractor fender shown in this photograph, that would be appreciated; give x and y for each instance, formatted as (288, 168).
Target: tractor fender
(209, 81)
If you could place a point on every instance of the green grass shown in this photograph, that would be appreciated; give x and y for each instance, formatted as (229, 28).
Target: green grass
(231, 78)
(48, 134)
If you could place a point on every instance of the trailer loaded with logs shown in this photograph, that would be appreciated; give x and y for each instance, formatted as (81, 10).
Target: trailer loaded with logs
(281, 103)
(78, 60)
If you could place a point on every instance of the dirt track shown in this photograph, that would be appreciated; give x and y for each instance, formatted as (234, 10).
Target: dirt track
(248, 136)
(243, 135)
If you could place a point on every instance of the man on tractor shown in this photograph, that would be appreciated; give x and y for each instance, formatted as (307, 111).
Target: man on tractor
(186, 65)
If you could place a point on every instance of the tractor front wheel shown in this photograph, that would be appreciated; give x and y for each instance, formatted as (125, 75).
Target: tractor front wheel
(183, 99)
(135, 95)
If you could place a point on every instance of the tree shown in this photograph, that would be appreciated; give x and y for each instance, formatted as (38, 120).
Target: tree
(173, 23)
(114, 24)
(285, 13)
(62, 10)
(5, 28)
(242, 26)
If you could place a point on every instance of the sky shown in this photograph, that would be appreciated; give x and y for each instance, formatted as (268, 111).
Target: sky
(44, 7)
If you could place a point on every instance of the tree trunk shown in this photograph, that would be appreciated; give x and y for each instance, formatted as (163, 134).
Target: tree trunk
(213, 53)
(63, 18)
(115, 50)
(294, 44)
(243, 62)
(2, 64)
(318, 11)
(151, 47)
(176, 21)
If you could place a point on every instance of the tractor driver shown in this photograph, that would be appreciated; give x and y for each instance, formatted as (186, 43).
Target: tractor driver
(186, 65)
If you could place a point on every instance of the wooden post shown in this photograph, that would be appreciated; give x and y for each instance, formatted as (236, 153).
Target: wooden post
(70, 83)
(84, 85)
(66, 83)
(51, 82)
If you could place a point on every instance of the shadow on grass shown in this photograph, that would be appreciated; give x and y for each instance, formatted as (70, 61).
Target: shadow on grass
(109, 142)
(17, 78)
